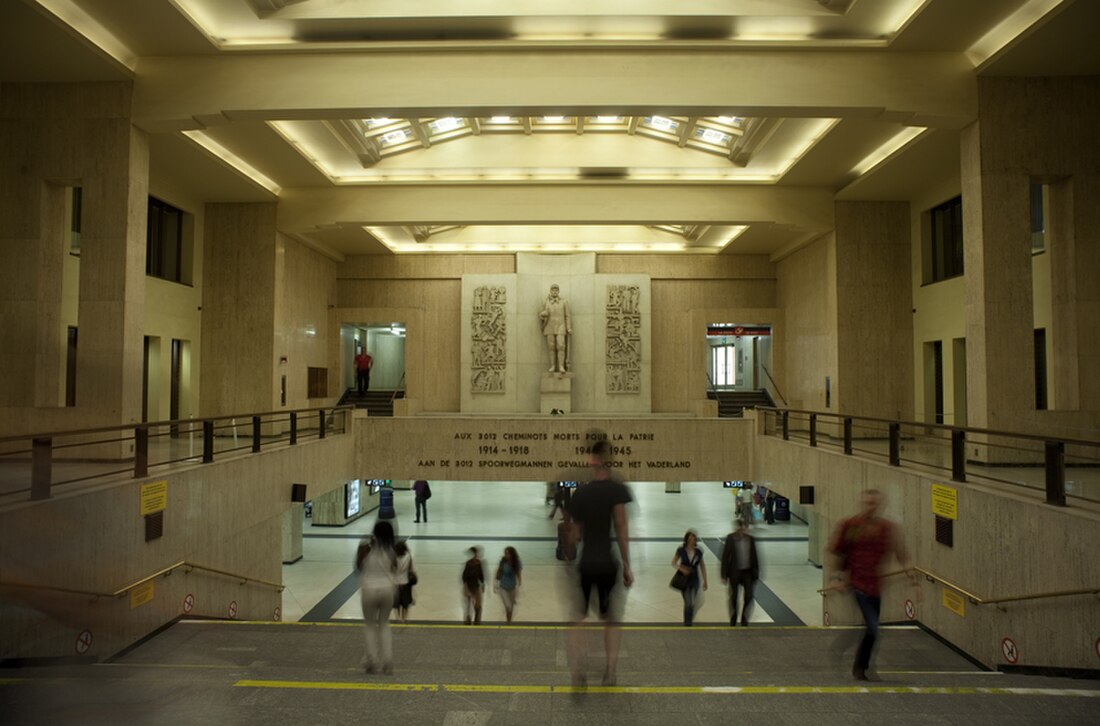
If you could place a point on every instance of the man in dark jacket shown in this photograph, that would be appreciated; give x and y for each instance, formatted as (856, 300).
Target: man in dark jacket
(740, 568)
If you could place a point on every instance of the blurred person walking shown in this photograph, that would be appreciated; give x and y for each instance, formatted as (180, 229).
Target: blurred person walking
(596, 507)
(376, 563)
(859, 547)
(688, 562)
(508, 578)
(473, 586)
(740, 569)
(404, 578)
(422, 492)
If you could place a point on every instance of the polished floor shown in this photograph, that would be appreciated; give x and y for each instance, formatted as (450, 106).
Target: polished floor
(491, 515)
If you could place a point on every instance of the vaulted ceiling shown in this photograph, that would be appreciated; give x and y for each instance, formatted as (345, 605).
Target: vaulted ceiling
(708, 126)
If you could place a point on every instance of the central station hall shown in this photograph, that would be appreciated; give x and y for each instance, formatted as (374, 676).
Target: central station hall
(550, 363)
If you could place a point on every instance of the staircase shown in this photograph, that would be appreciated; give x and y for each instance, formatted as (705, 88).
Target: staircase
(377, 403)
(731, 404)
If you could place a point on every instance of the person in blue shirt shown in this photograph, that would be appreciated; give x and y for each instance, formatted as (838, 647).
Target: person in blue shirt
(508, 579)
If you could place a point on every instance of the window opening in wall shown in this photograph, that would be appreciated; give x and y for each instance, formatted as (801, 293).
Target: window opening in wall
(164, 242)
(76, 196)
(1041, 369)
(944, 256)
(1039, 205)
(70, 369)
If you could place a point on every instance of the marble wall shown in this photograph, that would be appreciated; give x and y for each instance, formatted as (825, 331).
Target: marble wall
(238, 300)
(874, 309)
(57, 135)
(1032, 129)
(226, 515)
(807, 295)
(993, 554)
(305, 290)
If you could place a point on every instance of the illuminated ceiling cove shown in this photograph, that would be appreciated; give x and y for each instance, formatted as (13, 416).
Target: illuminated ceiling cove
(487, 126)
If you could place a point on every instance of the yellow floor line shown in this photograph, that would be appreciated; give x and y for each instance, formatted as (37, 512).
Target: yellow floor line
(501, 626)
(672, 690)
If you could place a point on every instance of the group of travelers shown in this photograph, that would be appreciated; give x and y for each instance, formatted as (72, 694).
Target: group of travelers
(595, 514)
(506, 582)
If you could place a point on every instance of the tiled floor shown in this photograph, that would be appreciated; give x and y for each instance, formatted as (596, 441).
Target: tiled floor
(492, 515)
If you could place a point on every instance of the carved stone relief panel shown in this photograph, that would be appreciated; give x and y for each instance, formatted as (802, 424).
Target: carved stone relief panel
(624, 339)
(489, 333)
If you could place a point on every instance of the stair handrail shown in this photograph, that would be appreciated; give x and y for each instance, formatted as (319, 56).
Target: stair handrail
(136, 583)
(777, 391)
(711, 387)
(400, 387)
(973, 598)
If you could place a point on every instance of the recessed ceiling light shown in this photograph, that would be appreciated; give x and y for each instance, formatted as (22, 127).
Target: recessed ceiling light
(608, 119)
(553, 119)
(714, 137)
(394, 137)
(376, 122)
(445, 124)
(501, 119)
(662, 123)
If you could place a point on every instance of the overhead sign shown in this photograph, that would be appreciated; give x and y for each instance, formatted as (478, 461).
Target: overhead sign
(954, 602)
(945, 501)
(141, 595)
(154, 497)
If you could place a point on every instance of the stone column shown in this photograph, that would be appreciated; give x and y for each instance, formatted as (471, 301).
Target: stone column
(56, 136)
(874, 310)
(238, 303)
(1032, 130)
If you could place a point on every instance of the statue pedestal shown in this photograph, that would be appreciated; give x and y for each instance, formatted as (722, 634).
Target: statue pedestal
(556, 392)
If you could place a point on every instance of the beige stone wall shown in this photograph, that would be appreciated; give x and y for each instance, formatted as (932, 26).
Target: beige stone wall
(996, 553)
(688, 291)
(227, 515)
(238, 301)
(58, 135)
(806, 293)
(874, 309)
(305, 284)
(1032, 129)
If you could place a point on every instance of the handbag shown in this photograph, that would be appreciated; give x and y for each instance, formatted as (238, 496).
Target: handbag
(679, 581)
(413, 579)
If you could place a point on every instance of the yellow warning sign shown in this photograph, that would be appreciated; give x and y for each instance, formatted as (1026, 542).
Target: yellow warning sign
(945, 501)
(954, 602)
(141, 595)
(154, 497)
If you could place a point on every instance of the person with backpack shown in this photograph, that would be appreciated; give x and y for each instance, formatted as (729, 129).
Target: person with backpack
(422, 492)
(376, 564)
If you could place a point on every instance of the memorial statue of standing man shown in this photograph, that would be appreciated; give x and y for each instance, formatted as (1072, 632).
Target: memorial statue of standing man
(557, 326)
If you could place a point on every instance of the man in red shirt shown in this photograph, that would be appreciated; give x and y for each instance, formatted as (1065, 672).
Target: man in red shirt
(363, 363)
(860, 545)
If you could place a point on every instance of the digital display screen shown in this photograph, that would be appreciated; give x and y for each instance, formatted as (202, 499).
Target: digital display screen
(568, 484)
(351, 499)
(377, 484)
(736, 484)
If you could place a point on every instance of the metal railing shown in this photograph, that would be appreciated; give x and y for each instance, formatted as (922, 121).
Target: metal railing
(943, 447)
(970, 596)
(774, 386)
(98, 453)
(119, 592)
